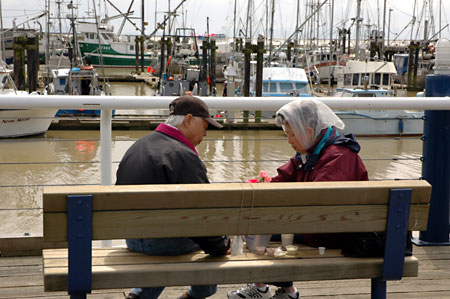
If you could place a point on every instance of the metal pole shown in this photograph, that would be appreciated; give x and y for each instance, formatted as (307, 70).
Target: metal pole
(105, 153)
(384, 30)
(2, 38)
(389, 27)
(358, 24)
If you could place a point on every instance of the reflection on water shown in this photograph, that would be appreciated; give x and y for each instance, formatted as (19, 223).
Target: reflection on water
(72, 157)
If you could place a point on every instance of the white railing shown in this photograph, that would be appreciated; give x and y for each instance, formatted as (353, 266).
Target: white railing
(220, 103)
(107, 103)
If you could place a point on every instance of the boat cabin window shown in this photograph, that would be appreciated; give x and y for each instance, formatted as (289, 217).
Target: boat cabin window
(385, 79)
(365, 78)
(368, 94)
(347, 79)
(355, 79)
(377, 79)
(92, 35)
(86, 34)
(273, 87)
(286, 86)
(334, 57)
(301, 88)
(62, 81)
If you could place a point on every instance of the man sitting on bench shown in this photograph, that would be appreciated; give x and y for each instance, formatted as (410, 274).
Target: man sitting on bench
(168, 156)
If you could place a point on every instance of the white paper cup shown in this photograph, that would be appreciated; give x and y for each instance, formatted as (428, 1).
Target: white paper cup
(321, 250)
(287, 239)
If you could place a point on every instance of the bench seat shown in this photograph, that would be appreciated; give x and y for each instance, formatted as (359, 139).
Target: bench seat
(123, 268)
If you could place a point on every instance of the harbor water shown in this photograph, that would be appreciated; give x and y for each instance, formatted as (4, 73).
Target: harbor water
(73, 158)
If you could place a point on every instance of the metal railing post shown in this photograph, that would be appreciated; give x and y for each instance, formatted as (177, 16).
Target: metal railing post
(105, 153)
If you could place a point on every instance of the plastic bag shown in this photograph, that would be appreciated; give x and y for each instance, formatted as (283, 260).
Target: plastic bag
(237, 248)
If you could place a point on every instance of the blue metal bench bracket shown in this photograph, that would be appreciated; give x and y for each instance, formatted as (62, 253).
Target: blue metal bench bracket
(396, 234)
(395, 247)
(79, 235)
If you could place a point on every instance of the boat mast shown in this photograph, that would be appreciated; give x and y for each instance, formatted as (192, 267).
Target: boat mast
(2, 39)
(271, 32)
(384, 30)
(47, 47)
(440, 16)
(248, 25)
(358, 25)
(58, 2)
(330, 65)
(413, 21)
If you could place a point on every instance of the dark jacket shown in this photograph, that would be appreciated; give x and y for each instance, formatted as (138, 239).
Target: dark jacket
(163, 157)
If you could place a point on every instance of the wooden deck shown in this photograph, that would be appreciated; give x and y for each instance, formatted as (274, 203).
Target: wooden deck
(21, 277)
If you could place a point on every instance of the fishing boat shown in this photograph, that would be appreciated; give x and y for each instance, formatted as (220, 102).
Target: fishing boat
(81, 80)
(281, 82)
(361, 74)
(21, 122)
(117, 52)
(378, 121)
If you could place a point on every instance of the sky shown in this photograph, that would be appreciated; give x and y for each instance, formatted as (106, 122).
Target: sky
(194, 13)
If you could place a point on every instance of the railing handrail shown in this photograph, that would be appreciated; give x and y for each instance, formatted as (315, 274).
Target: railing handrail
(220, 103)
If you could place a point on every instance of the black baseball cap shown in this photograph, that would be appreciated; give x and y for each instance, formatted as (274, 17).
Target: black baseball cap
(191, 105)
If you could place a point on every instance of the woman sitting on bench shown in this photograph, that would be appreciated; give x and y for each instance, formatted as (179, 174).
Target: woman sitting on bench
(322, 154)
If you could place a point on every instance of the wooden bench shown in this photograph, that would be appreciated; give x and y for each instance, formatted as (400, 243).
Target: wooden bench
(79, 214)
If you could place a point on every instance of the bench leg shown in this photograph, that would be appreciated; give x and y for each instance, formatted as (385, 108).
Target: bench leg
(378, 289)
(78, 296)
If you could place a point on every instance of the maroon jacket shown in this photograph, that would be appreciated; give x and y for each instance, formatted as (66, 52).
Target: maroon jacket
(336, 163)
(339, 161)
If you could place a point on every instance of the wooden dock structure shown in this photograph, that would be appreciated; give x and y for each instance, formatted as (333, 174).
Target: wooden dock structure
(21, 277)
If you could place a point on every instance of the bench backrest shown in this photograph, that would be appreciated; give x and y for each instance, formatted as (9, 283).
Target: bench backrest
(144, 211)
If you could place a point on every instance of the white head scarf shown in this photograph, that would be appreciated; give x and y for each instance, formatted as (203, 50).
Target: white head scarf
(304, 113)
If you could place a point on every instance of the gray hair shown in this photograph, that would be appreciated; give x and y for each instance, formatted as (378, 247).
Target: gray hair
(175, 120)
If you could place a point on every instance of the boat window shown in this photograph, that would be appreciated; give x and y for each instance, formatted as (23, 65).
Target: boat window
(93, 35)
(334, 57)
(355, 79)
(385, 79)
(62, 81)
(273, 86)
(347, 79)
(286, 86)
(301, 88)
(86, 34)
(131, 47)
(365, 78)
(265, 86)
(368, 94)
(377, 79)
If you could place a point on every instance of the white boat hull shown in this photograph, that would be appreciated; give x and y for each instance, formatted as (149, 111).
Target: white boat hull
(25, 122)
(367, 123)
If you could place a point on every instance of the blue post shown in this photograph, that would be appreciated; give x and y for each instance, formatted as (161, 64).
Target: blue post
(79, 236)
(436, 164)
